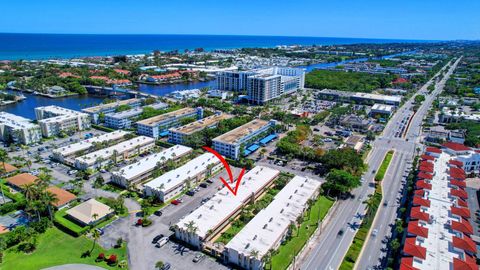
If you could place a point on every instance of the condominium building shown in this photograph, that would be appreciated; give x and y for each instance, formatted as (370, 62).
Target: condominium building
(17, 129)
(440, 231)
(95, 111)
(262, 85)
(143, 168)
(63, 154)
(170, 184)
(269, 228)
(180, 134)
(55, 119)
(116, 153)
(230, 143)
(154, 126)
(211, 218)
(119, 120)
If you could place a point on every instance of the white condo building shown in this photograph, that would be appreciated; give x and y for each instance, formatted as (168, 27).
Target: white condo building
(269, 228)
(95, 111)
(116, 153)
(262, 85)
(143, 168)
(16, 129)
(229, 144)
(63, 153)
(178, 135)
(170, 184)
(119, 120)
(55, 119)
(212, 217)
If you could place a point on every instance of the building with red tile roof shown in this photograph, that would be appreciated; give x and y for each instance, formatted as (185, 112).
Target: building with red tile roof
(415, 228)
(461, 203)
(63, 197)
(466, 244)
(463, 226)
(20, 180)
(426, 169)
(427, 157)
(399, 80)
(425, 163)
(468, 264)
(412, 249)
(421, 184)
(459, 193)
(422, 175)
(122, 71)
(460, 211)
(417, 201)
(458, 183)
(435, 150)
(456, 163)
(407, 264)
(456, 147)
(419, 192)
(416, 213)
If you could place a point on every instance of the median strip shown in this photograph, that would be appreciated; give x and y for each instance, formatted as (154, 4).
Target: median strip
(373, 203)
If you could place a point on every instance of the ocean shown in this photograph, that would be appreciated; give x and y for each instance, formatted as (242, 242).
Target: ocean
(49, 46)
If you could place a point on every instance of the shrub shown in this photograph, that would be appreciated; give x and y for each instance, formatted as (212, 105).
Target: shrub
(100, 257)
(146, 222)
(112, 260)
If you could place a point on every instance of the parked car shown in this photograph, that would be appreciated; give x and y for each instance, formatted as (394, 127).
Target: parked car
(175, 202)
(158, 213)
(156, 238)
(198, 258)
(166, 266)
(190, 193)
(374, 232)
(162, 242)
(203, 185)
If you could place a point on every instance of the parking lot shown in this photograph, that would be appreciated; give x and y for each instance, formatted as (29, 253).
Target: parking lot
(142, 253)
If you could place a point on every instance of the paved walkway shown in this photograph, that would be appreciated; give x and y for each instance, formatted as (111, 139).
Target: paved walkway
(75, 267)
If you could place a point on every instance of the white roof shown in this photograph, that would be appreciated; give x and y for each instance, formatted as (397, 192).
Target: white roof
(223, 204)
(382, 107)
(148, 163)
(59, 110)
(106, 106)
(15, 121)
(88, 143)
(189, 170)
(378, 97)
(120, 148)
(269, 225)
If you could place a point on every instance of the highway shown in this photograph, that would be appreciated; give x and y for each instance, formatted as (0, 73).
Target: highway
(330, 247)
(374, 255)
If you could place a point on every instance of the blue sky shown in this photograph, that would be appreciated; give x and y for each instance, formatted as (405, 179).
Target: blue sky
(408, 19)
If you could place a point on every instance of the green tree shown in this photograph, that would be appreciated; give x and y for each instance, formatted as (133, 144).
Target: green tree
(340, 181)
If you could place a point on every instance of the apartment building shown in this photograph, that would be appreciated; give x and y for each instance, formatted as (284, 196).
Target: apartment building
(212, 217)
(155, 126)
(95, 111)
(178, 135)
(16, 129)
(115, 153)
(262, 85)
(54, 119)
(120, 120)
(142, 169)
(270, 227)
(172, 183)
(230, 143)
(468, 157)
(65, 154)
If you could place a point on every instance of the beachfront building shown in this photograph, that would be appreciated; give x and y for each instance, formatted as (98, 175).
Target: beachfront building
(178, 135)
(119, 120)
(230, 143)
(359, 98)
(172, 183)
(270, 227)
(440, 233)
(54, 119)
(115, 153)
(262, 85)
(142, 169)
(207, 221)
(158, 125)
(95, 111)
(16, 129)
(65, 154)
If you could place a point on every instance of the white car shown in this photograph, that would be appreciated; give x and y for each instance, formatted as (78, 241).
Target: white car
(374, 232)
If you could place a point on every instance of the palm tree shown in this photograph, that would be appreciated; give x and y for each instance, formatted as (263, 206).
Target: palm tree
(95, 236)
(191, 228)
(49, 199)
(28, 163)
(3, 158)
(254, 253)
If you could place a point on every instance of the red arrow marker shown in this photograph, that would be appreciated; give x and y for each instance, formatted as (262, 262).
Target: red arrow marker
(229, 171)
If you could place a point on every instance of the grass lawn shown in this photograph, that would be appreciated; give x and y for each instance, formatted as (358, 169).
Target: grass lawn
(383, 168)
(56, 248)
(289, 249)
(62, 221)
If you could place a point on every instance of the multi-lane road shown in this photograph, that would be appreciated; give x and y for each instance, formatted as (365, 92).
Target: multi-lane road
(330, 247)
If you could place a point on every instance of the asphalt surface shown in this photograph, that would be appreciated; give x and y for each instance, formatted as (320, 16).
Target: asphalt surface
(331, 247)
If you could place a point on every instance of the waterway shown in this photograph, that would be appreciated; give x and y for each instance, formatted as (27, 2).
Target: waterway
(26, 107)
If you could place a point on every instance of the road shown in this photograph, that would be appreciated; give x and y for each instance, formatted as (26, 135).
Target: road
(349, 213)
(374, 255)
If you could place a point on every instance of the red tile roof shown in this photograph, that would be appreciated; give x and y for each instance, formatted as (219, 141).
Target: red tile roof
(419, 192)
(456, 146)
(407, 264)
(426, 163)
(458, 183)
(412, 249)
(457, 176)
(421, 201)
(427, 157)
(423, 175)
(103, 78)
(460, 211)
(7, 167)
(468, 264)
(122, 71)
(421, 184)
(426, 169)
(455, 162)
(462, 203)
(433, 150)
(459, 193)
(400, 80)
(456, 171)
(415, 229)
(417, 213)
(465, 243)
(21, 180)
(464, 226)
(63, 196)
